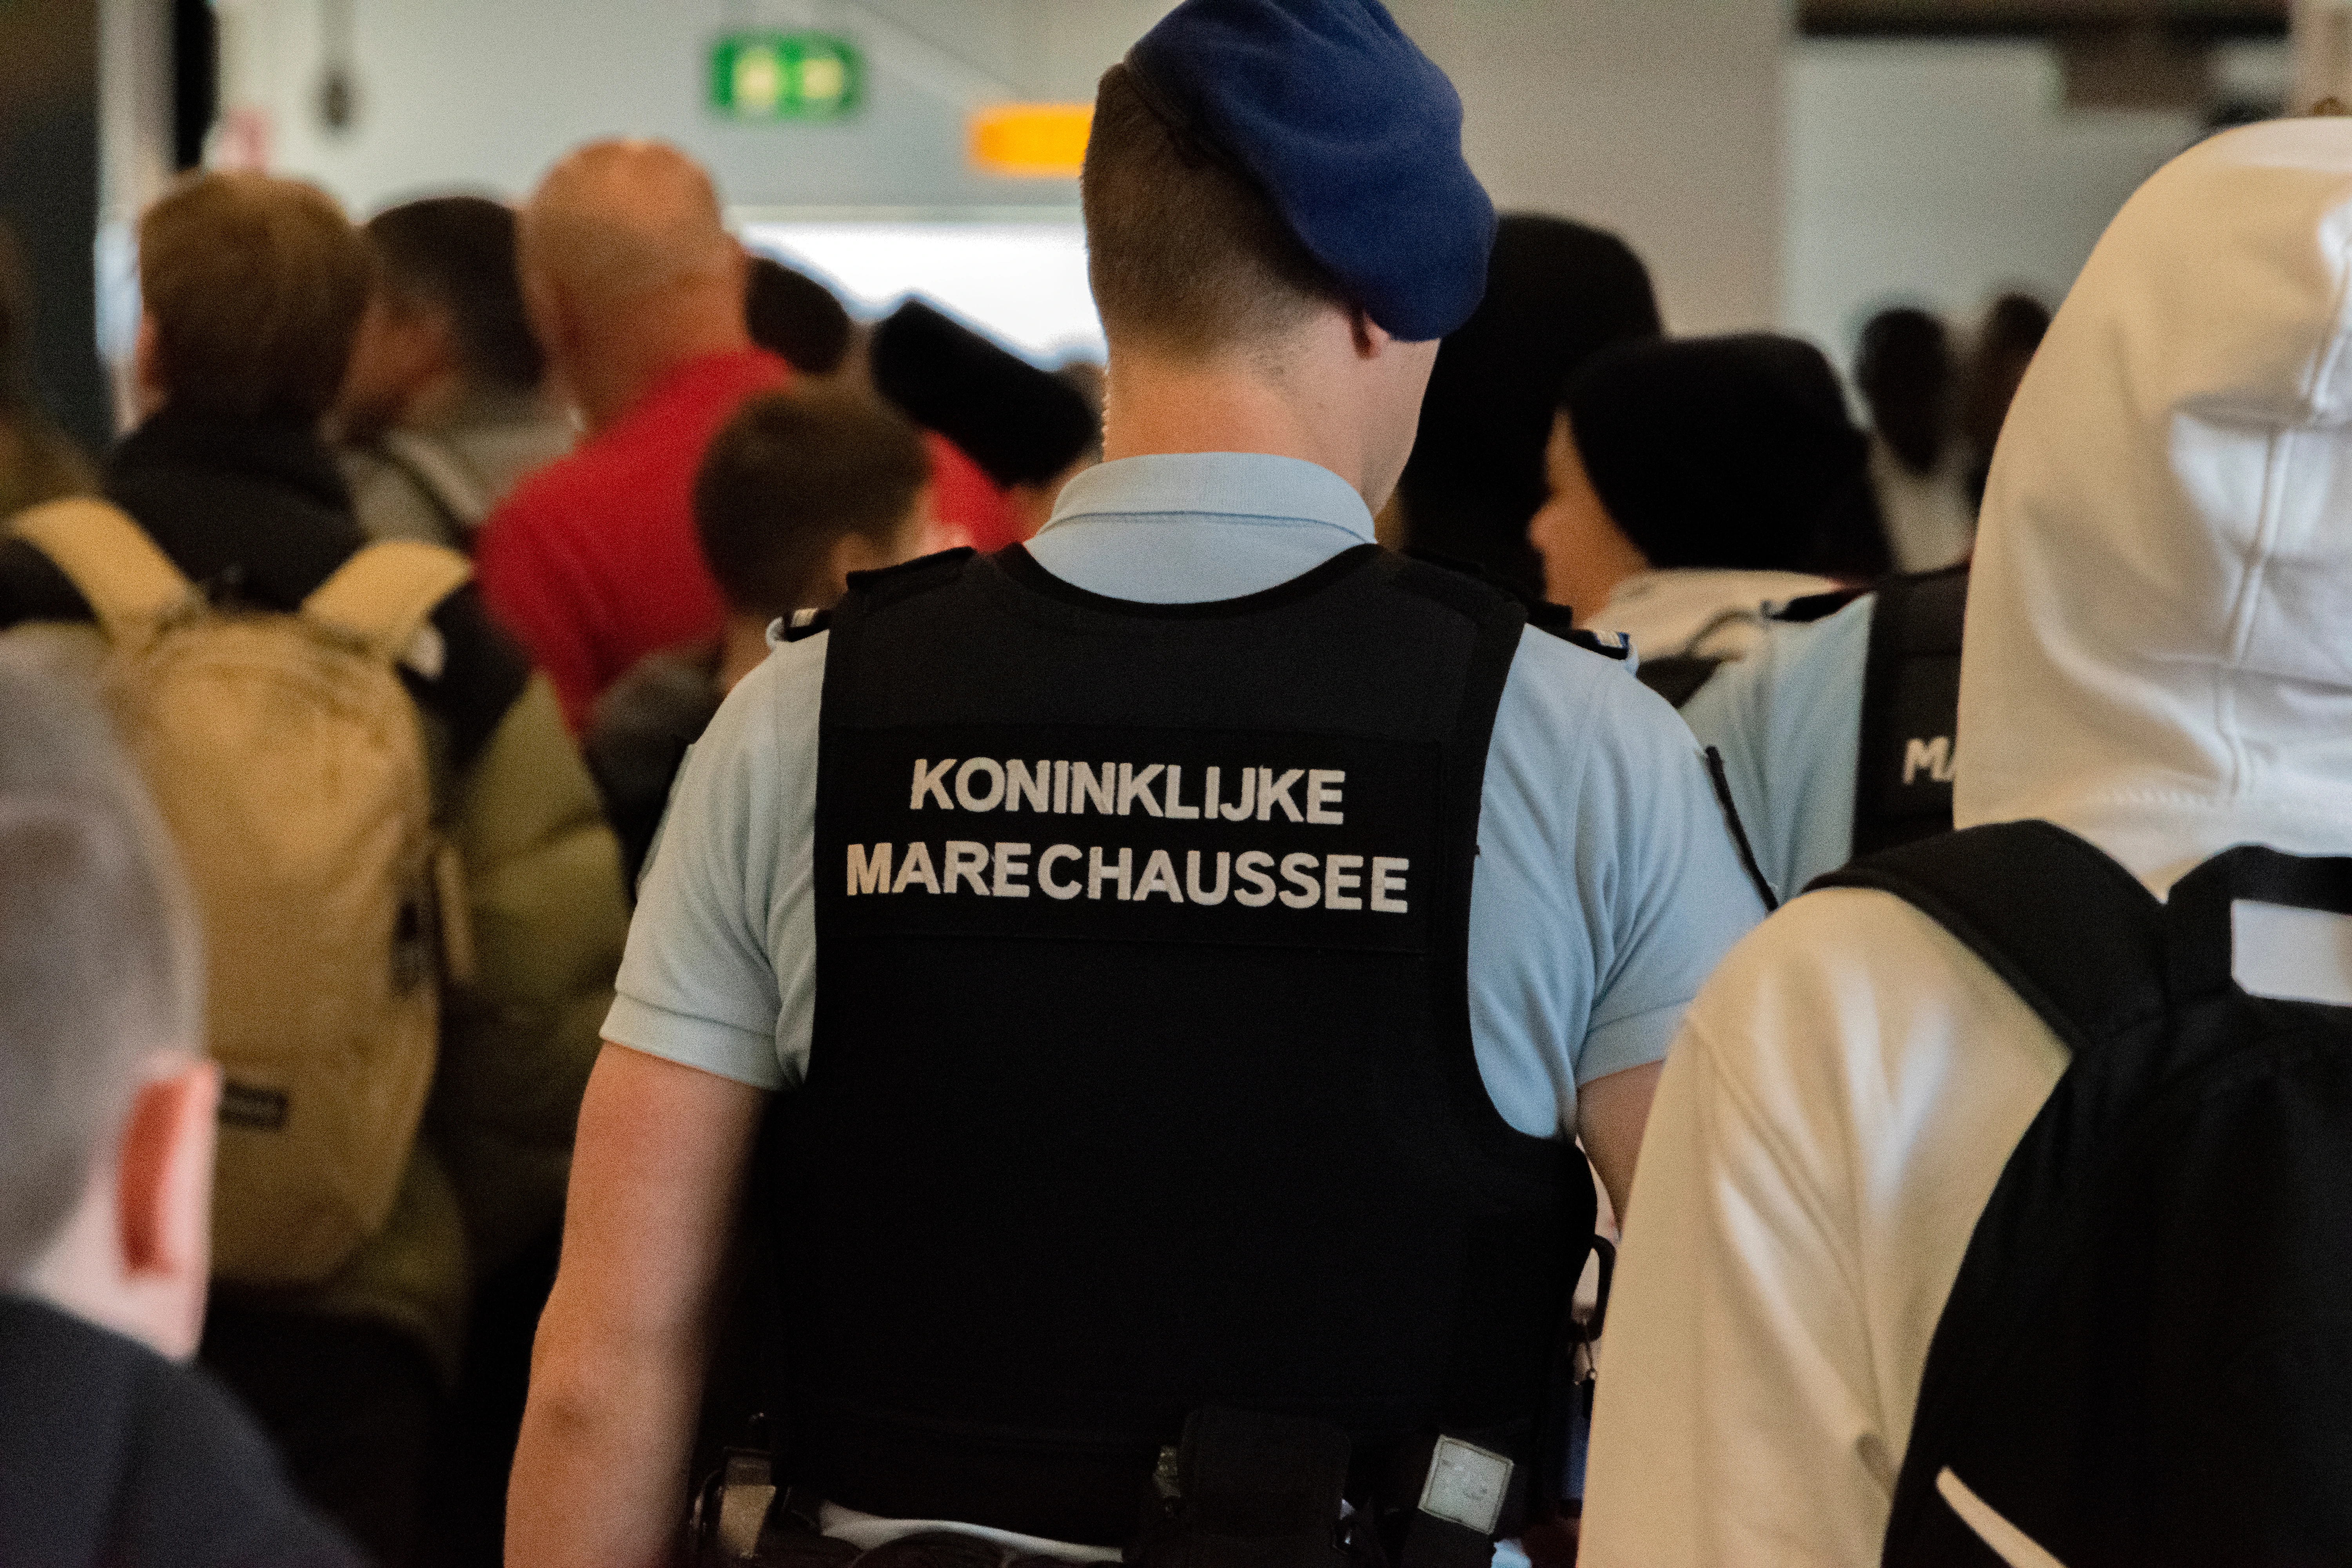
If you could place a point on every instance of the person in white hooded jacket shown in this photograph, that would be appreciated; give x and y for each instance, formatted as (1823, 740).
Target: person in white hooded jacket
(2159, 658)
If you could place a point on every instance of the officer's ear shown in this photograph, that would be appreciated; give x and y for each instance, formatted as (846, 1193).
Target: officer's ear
(1371, 340)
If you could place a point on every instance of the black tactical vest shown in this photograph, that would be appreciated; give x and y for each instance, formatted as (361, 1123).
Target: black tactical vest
(1143, 1075)
(1910, 711)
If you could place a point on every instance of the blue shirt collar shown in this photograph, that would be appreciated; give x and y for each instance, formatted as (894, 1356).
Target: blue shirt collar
(1243, 486)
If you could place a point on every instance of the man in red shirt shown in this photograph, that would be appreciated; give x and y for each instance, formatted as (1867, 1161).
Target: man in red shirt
(635, 290)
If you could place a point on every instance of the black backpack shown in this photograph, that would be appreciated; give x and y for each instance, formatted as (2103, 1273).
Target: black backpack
(2146, 1357)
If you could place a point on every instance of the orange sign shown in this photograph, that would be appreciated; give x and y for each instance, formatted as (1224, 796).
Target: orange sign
(1030, 141)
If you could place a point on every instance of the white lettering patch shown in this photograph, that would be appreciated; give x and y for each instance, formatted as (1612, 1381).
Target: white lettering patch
(1004, 871)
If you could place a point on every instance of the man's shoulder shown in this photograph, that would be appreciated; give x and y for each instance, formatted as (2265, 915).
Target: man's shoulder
(1852, 1005)
(781, 701)
(1803, 666)
(109, 1452)
(659, 442)
(1567, 703)
(586, 480)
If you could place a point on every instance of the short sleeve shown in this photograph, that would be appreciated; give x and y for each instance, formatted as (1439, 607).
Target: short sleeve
(1656, 863)
(1606, 886)
(719, 970)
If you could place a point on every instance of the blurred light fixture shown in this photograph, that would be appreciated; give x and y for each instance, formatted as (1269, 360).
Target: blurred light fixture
(1030, 141)
(339, 90)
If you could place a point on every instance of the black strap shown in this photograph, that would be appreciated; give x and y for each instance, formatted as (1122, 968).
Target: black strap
(1544, 615)
(1910, 692)
(2199, 947)
(1722, 782)
(2073, 932)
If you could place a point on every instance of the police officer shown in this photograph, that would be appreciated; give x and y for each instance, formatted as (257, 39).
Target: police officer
(1170, 959)
(1836, 733)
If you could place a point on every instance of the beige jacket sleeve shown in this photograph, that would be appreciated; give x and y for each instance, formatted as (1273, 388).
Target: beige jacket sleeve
(547, 919)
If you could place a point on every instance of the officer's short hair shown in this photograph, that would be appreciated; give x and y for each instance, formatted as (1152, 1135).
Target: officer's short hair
(457, 254)
(255, 286)
(1184, 250)
(100, 961)
(792, 473)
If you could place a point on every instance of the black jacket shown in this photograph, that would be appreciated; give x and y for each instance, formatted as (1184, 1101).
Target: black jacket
(112, 1456)
(261, 512)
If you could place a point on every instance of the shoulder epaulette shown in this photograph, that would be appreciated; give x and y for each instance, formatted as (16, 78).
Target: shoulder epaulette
(888, 585)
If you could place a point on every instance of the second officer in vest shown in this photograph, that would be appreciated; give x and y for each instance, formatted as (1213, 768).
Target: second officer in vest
(1172, 958)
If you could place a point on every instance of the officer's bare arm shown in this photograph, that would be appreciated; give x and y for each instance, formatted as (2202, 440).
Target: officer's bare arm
(656, 1179)
(1610, 1115)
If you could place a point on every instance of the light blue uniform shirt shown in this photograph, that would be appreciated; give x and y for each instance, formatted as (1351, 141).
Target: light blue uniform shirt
(1787, 720)
(1606, 885)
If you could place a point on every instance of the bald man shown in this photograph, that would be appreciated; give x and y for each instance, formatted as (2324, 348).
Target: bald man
(635, 290)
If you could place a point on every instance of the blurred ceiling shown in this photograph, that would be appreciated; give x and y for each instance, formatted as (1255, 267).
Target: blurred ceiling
(2179, 19)
(2114, 54)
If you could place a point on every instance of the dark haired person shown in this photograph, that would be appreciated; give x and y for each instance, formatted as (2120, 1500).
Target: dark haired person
(251, 289)
(792, 314)
(1557, 292)
(444, 406)
(1027, 430)
(114, 1453)
(2005, 344)
(798, 489)
(1220, 1041)
(1695, 483)
(1910, 382)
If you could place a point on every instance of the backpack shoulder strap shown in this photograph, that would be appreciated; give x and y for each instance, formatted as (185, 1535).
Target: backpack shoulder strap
(383, 594)
(2073, 932)
(108, 557)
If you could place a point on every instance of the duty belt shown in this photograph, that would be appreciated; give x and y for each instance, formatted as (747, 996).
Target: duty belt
(1242, 1490)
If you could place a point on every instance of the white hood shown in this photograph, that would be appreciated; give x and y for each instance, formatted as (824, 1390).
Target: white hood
(2159, 625)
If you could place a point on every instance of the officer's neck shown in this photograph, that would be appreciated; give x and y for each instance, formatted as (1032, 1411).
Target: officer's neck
(1315, 397)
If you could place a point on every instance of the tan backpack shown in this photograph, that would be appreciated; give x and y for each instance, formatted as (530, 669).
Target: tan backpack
(290, 764)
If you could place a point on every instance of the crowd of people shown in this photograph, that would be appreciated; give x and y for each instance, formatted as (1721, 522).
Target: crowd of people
(452, 1102)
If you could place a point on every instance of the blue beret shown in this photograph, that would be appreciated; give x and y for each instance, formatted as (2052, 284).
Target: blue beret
(1353, 133)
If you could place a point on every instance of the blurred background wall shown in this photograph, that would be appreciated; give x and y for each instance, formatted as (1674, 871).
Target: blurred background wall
(50, 201)
(1791, 162)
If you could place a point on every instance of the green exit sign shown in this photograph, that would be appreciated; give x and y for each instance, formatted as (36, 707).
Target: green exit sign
(766, 76)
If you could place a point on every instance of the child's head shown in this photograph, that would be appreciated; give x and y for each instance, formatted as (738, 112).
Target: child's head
(802, 488)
